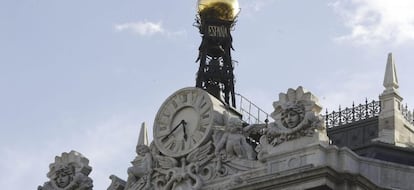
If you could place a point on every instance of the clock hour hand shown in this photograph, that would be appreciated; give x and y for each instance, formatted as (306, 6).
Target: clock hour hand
(184, 125)
(175, 128)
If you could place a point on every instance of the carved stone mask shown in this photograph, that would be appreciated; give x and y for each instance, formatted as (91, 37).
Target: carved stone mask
(291, 118)
(64, 176)
(69, 172)
(292, 107)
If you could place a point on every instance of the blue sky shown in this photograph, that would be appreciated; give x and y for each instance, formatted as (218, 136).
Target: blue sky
(83, 75)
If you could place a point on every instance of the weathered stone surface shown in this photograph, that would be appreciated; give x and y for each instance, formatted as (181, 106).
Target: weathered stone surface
(394, 128)
(297, 124)
(294, 153)
(69, 172)
(316, 166)
(139, 175)
(116, 183)
(232, 142)
(187, 117)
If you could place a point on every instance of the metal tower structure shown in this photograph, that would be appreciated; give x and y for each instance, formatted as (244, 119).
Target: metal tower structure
(215, 20)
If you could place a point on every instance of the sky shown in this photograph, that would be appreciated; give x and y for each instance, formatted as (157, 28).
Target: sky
(83, 75)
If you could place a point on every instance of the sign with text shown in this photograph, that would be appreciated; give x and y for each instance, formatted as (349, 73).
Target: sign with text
(218, 31)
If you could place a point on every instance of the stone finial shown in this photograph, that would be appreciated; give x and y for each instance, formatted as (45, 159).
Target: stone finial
(390, 78)
(393, 125)
(70, 172)
(143, 136)
(142, 166)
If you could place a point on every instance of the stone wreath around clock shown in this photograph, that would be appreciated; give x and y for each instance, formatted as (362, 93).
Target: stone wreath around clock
(185, 121)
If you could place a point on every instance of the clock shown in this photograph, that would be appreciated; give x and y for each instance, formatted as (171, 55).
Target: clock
(185, 120)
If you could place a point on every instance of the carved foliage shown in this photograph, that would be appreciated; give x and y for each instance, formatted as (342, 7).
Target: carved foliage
(225, 154)
(201, 165)
(183, 174)
(296, 115)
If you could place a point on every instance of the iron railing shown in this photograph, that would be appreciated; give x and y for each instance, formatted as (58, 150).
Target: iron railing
(252, 114)
(408, 115)
(353, 114)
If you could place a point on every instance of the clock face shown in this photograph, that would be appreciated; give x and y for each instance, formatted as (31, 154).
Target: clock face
(183, 122)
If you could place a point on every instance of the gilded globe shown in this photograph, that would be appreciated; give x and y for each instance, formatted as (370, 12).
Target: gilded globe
(218, 9)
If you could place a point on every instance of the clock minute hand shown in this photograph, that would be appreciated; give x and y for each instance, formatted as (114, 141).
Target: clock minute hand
(175, 128)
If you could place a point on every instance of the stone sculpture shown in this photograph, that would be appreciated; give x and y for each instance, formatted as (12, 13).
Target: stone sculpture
(69, 172)
(223, 157)
(139, 175)
(171, 174)
(296, 115)
(233, 141)
(178, 162)
(116, 183)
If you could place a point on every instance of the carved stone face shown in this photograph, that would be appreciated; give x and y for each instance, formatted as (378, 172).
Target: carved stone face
(223, 155)
(142, 150)
(64, 176)
(291, 118)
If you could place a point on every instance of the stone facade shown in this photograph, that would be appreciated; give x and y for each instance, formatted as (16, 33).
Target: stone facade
(200, 143)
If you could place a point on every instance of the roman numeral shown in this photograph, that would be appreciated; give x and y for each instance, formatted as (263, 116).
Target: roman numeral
(189, 98)
(163, 121)
(178, 101)
(167, 141)
(193, 140)
(171, 146)
(204, 110)
(168, 111)
(202, 129)
(198, 101)
(205, 121)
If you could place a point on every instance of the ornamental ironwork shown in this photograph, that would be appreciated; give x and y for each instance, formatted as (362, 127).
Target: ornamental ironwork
(353, 114)
(408, 115)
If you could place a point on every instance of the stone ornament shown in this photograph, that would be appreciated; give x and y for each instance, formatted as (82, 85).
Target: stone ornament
(139, 175)
(196, 140)
(199, 166)
(116, 183)
(232, 140)
(183, 174)
(176, 160)
(296, 115)
(185, 121)
(69, 172)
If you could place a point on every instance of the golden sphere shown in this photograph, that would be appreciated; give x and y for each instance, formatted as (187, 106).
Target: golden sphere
(218, 9)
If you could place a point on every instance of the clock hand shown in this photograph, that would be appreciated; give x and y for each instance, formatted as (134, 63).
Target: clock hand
(184, 125)
(175, 128)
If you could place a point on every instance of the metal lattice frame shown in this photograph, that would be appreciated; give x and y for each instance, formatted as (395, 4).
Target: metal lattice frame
(252, 114)
(350, 115)
(215, 74)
